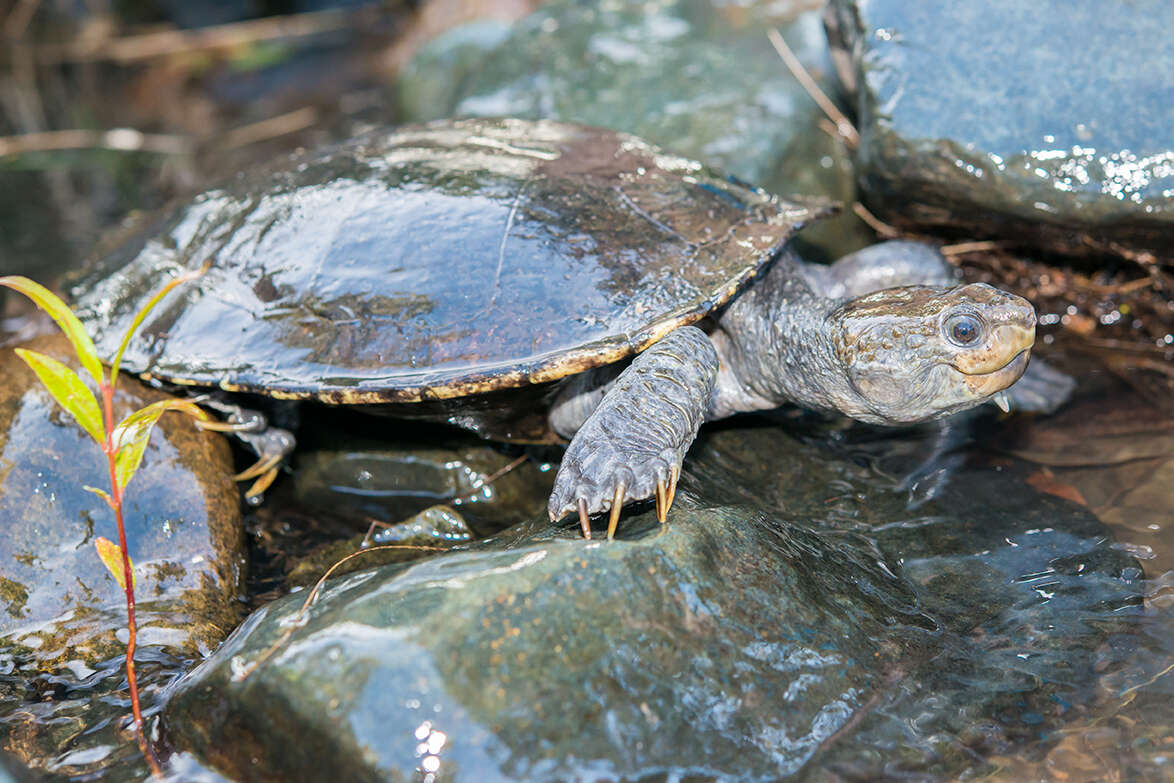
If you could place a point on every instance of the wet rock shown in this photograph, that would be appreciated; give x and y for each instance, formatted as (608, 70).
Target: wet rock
(433, 529)
(1048, 121)
(59, 607)
(699, 78)
(548, 656)
(391, 478)
(802, 611)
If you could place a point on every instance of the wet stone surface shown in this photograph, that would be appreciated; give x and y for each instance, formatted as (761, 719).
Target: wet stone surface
(1049, 120)
(365, 469)
(813, 604)
(699, 78)
(59, 607)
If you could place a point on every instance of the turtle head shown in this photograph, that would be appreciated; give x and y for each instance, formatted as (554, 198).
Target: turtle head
(922, 352)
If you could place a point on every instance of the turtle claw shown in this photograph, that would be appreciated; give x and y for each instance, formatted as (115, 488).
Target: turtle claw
(255, 493)
(584, 518)
(665, 494)
(613, 519)
(262, 466)
(230, 427)
(574, 492)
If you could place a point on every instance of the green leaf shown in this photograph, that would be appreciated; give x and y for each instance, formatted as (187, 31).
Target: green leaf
(60, 312)
(69, 391)
(100, 493)
(132, 433)
(147, 308)
(111, 555)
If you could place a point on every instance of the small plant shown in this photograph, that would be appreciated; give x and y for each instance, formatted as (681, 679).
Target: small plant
(123, 443)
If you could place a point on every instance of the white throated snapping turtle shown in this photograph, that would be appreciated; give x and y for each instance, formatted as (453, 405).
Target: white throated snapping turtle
(438, 270)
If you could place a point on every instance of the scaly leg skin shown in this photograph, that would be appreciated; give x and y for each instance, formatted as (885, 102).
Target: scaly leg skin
(630, 448)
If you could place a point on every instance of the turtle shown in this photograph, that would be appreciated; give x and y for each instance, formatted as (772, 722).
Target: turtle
(546, 282)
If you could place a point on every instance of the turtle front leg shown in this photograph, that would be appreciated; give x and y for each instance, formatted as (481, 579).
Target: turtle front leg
(630, 448)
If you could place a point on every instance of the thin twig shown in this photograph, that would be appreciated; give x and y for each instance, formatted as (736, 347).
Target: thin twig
(495, 475)
(979, 246)
(123, 139)
(875, 223)
(843, 125)
(270, 128)
(297, 620)
(168, 42)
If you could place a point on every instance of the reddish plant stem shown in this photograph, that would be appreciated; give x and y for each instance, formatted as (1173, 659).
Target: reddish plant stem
(127, 577)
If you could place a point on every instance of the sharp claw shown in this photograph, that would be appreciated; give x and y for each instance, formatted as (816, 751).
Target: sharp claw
(226, 426)
(584, 520)
(258, 468)
(674, 474)
(661, 494)
(262, 484)
(617, 502)
(1002, 401)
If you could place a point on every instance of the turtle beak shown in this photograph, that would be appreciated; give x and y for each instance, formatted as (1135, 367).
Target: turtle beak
(989, 383)
(1003, 348)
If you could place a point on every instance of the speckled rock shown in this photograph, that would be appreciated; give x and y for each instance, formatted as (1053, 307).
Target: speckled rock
(794, 598)
(1049, 120)
(58, 603)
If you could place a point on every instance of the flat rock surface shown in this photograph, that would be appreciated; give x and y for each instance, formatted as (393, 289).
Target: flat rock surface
(57, 600)
(1049, 120)
(799, 612)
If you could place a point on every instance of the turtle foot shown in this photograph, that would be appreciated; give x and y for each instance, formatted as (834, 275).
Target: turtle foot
(619, 478)
(630, 448)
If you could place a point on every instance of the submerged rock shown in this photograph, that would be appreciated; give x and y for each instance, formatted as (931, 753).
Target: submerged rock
(390, 478)
(432, 530)
(1049, 121)
(58, 603)
(796, 611)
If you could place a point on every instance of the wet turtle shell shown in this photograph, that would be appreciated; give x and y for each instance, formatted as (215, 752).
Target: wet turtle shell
(436, 262)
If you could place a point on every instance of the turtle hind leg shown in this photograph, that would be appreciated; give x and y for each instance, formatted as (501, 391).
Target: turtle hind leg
(271, 444)
(631, 447)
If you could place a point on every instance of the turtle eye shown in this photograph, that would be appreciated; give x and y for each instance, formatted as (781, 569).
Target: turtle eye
(963, 329)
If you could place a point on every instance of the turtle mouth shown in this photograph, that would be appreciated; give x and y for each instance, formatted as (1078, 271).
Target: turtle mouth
(987, 383)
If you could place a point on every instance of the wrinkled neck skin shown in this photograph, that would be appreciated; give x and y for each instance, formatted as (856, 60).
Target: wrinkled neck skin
(774, 346)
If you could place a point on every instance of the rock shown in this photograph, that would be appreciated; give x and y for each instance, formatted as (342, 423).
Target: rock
(699, 78)
(1048, 122)
(793, 599)
(343, 471)
(58, 604)
(433, 529)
